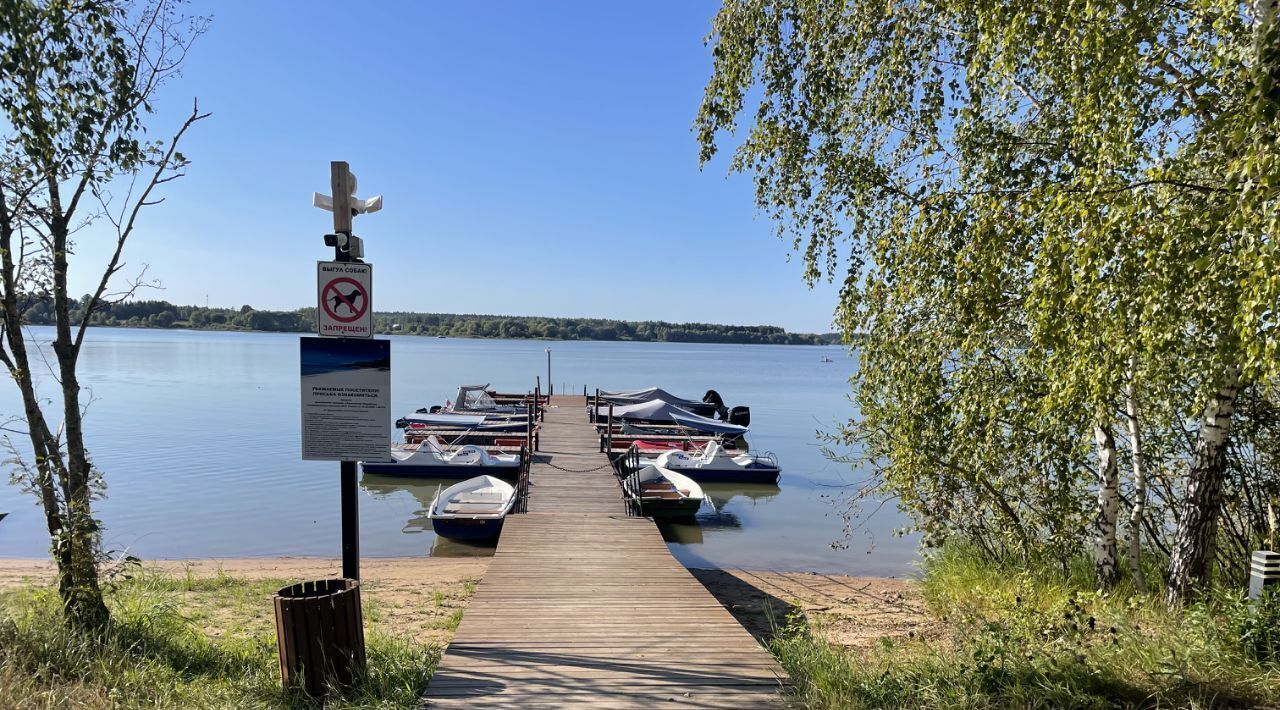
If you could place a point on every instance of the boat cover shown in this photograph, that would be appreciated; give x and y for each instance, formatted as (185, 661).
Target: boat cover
(693, 421)
(648, 394)
(658, 411)
(653, 410)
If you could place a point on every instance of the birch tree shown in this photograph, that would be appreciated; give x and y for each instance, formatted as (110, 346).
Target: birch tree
(1063, 188)
(78, 79)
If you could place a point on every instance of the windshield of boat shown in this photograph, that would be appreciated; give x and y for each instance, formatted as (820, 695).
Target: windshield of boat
(475, 398)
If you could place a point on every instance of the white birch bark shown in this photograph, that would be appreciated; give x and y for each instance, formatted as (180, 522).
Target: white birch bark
(1106, 556)
(1195, 541)
(1139, 481)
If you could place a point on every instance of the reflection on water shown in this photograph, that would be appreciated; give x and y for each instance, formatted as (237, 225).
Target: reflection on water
(226, 480)
(718, 511)
(721, 494)
(423, 491)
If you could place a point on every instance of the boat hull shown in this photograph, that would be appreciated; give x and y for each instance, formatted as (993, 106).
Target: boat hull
(468, 529)
(739, 475)
(685, 508)
(389, 468)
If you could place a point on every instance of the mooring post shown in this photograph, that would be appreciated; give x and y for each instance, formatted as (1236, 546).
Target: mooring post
(551, 388)
(528, 429)
(609, 451)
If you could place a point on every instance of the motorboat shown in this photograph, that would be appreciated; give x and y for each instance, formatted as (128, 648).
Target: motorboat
(663, 493)
(714, 464)
(429, 458)
(473, 509)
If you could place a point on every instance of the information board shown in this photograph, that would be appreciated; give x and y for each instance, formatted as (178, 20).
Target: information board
(346, 399)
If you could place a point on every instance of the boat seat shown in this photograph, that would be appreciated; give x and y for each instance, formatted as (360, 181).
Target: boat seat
(472, 508)
(656, 486)
(661, 495)
(479, 498)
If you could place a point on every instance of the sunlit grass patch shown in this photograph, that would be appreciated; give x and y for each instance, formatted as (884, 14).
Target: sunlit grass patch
(181, 641)
(1031, 638)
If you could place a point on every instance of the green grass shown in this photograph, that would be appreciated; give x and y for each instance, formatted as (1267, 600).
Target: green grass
(1019, 638)
(158, 654)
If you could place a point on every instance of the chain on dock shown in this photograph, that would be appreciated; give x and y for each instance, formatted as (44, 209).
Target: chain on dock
(609, 464)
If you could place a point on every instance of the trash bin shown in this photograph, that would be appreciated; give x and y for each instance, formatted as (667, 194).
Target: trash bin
(320, 634)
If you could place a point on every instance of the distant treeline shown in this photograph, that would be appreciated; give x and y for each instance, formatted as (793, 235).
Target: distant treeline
(162, 314)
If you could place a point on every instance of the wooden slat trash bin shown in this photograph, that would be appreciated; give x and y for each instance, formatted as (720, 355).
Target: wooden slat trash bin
(320, 634)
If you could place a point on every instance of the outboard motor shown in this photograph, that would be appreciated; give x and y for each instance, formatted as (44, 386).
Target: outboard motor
(713, 397)
(400, 423)
(740, 416)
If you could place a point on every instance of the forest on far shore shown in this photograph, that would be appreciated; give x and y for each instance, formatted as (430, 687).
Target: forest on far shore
(162, 314)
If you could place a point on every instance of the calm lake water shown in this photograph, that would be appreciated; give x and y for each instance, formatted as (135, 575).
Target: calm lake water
(198, 436)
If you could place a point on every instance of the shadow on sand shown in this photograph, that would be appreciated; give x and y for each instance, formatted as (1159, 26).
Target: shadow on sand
(756, 609)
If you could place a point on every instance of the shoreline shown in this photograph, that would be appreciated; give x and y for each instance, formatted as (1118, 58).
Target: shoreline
(851, 611)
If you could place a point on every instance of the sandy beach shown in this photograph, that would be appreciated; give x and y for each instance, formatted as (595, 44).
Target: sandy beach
(417, 594)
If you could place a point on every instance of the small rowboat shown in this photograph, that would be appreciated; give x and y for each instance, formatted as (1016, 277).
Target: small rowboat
(473, 509)
(663, 493)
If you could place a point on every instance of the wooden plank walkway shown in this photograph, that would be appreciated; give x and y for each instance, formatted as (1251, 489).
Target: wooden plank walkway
(583, 606)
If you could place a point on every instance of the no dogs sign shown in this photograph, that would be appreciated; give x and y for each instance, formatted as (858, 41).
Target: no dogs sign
(344, 307)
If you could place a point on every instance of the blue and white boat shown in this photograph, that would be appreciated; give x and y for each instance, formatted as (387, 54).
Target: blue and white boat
(473, 509)
(463, 422)
(428, 458)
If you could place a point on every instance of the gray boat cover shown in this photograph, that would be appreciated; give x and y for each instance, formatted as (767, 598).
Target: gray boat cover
(658, 411)
(646, 395)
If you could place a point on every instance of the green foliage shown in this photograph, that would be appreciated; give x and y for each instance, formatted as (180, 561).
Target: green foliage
(1034, 637)
(1032, 207)
(152, 655)
(1257, 625)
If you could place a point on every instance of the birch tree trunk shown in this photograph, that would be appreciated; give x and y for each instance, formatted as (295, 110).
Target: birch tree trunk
(1196, 538)
(1106, 557)
(1139, 481)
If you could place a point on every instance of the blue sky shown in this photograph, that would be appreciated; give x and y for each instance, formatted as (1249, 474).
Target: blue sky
(535, 158)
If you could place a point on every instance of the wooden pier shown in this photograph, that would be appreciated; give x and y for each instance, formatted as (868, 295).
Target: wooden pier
(584, 606)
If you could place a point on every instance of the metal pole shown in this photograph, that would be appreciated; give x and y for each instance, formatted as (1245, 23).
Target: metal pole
(340, 184)
(551, 389)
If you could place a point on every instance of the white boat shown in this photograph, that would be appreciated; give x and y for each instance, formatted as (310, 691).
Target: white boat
(473, 509)
(714, 464)
(663, 493)
(428, 458)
